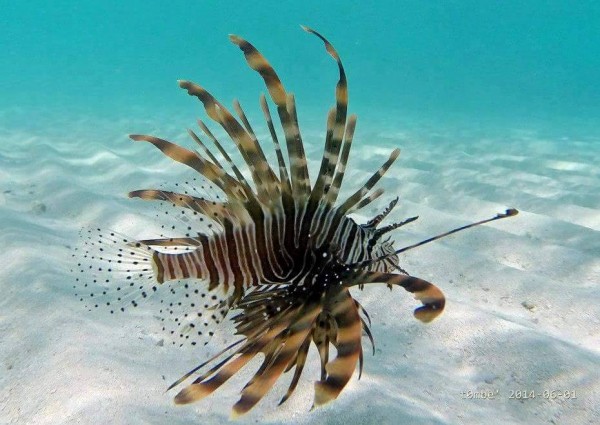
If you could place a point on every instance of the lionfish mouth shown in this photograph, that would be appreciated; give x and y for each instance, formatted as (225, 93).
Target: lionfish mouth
(279, 252)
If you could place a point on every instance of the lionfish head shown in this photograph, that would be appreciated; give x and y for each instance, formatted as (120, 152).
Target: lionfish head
(280, 253)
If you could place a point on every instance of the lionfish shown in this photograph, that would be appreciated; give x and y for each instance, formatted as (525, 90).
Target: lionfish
(279, 252)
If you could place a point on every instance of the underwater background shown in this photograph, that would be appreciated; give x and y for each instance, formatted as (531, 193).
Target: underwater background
(504, 63)
(495, 104)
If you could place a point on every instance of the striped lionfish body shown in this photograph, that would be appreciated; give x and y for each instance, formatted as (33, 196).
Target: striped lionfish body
(283, 252)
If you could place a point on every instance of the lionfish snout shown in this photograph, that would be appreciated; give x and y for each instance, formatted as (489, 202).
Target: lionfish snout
(277, 252)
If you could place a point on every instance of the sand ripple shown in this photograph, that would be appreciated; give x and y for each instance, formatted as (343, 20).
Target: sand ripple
(522, 293)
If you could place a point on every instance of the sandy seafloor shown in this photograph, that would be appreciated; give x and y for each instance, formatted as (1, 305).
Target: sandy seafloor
(522, 294)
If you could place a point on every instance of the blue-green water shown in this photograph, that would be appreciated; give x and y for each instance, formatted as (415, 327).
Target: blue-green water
(533, 62)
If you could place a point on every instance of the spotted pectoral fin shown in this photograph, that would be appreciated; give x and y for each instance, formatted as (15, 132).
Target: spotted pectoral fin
(211, 209)
(191, 315)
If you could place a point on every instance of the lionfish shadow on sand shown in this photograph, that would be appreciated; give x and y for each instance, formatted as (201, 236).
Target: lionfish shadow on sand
(279, 252)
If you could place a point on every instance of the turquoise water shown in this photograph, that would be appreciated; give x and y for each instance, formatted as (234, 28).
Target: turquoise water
(505, 63)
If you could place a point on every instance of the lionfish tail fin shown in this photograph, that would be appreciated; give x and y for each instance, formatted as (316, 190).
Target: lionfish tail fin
(113, 271)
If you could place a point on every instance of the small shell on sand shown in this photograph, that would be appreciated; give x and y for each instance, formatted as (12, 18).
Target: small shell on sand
(528, 305)
(38, 207)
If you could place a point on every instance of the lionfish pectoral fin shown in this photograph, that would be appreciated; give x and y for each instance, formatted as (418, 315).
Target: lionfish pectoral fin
(366, 323)
(367, 332)
(360, 363)
(430, 295)
(170, 242)
(275, 364)
(299, 367)
(198, 390)
(191, 372)
(225, 369)
(349, 347)
(211, 209)
(323, 348)
(117, 274)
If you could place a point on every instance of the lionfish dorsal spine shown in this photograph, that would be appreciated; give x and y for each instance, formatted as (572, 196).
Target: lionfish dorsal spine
(335, 129)
(222, 180)
(334, 189)
(372, 181)
(285, 103)
(283, 173)
(238, 175)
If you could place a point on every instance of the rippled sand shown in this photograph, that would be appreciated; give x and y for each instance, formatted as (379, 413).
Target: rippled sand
(523, 299)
